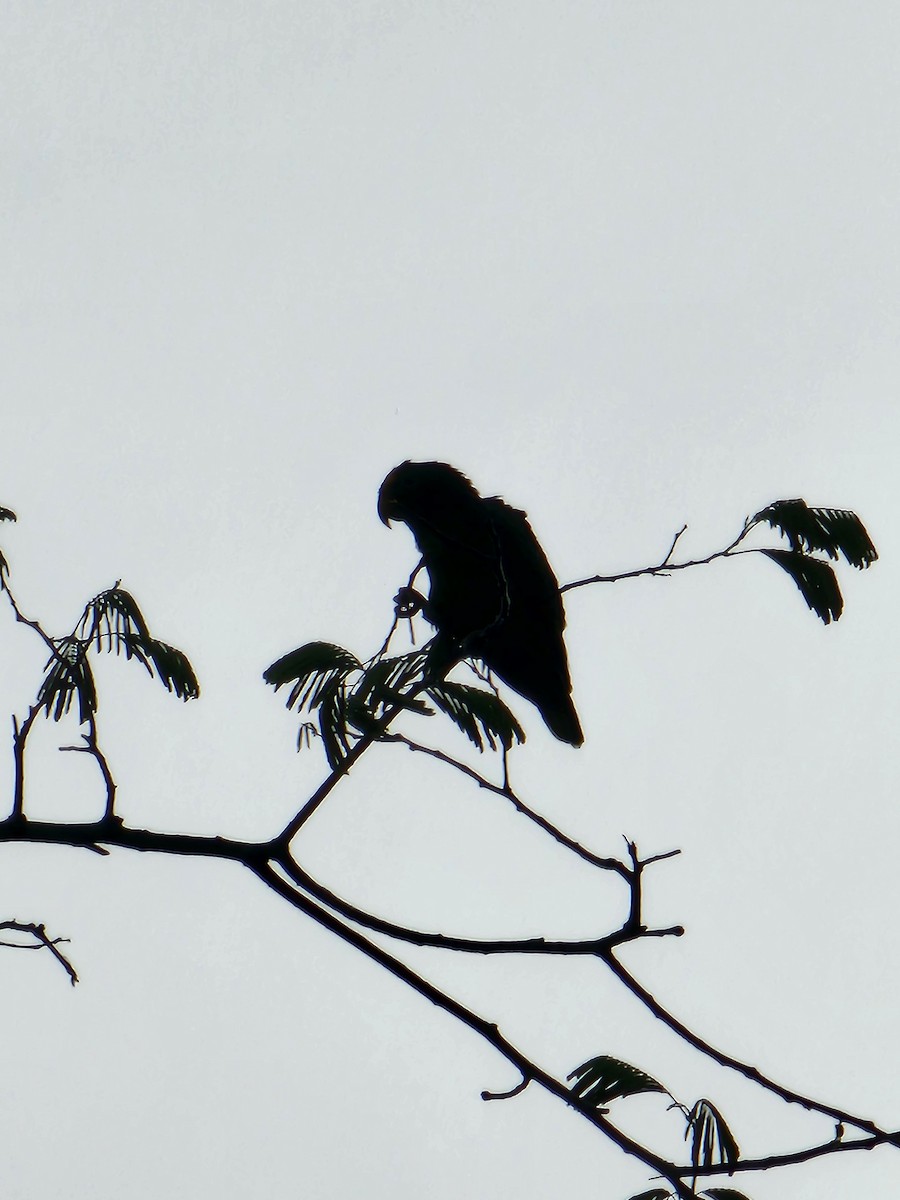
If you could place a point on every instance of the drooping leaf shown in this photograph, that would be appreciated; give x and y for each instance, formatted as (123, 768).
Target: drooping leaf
(833, 531)
(68, 677)
(173, 669)
(309, 669)
(602, 1079)
(383, 683)
(653, 1194)
(7, 514)
(386, 683)
(113, 622)
(331, 703)
(816, 581)
(724, 1194)
(319, 673)
(712, 1142)
(481, 715)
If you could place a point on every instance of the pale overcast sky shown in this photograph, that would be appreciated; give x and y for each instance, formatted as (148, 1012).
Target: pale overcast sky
(629, 264)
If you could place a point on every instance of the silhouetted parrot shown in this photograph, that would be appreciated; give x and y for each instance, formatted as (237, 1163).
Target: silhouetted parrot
(493, 594)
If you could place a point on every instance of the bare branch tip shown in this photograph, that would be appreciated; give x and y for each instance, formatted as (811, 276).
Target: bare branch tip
(515, 1091)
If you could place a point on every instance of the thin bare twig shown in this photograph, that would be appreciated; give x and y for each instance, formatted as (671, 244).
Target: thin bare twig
(20, 737)
(32, 624)
(513, 1091)
(504, 790)
(92, 747)
(42, 942)
(666, 566)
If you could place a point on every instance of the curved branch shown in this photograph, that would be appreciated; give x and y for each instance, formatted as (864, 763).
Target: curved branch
(792, 1158)
(487, 1030)
(260, 857)
(536, 945)
(726, 1060)
(513, 1091)
(506, 791)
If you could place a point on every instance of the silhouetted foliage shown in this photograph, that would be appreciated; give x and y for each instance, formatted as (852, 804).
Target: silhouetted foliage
(482, 716)
(834, 531)
(830, 531)
(603, 1079)
(815, 580)
(111, 622)
(493, 599)
(68, 676)
(309, 669)
(712, 1142)
(352, 699)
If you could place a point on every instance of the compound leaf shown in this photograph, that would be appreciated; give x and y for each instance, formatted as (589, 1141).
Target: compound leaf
(833, 531)
(68, 677)
(482, 716)
(816, 581)
(712, 1142)
(173, 669)
(310, 669)
(602, 1079)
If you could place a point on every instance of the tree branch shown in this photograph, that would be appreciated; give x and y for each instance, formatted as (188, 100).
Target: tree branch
(92, 747)
(42, 942)
(726, 1060)
(536, 945)
(666, 566)
(506, 791)
(773, 1161)
(260, 858)
(488, 1031)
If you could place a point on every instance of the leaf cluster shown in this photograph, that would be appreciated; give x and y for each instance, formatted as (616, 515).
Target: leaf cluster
(604, 1078)
(834, 532)
(712, 1142)
(351, 699)
(715, 1193)
(111, 622)
(599, 1081)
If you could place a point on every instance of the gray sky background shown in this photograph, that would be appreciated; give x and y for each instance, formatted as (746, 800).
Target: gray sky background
(629, 265)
